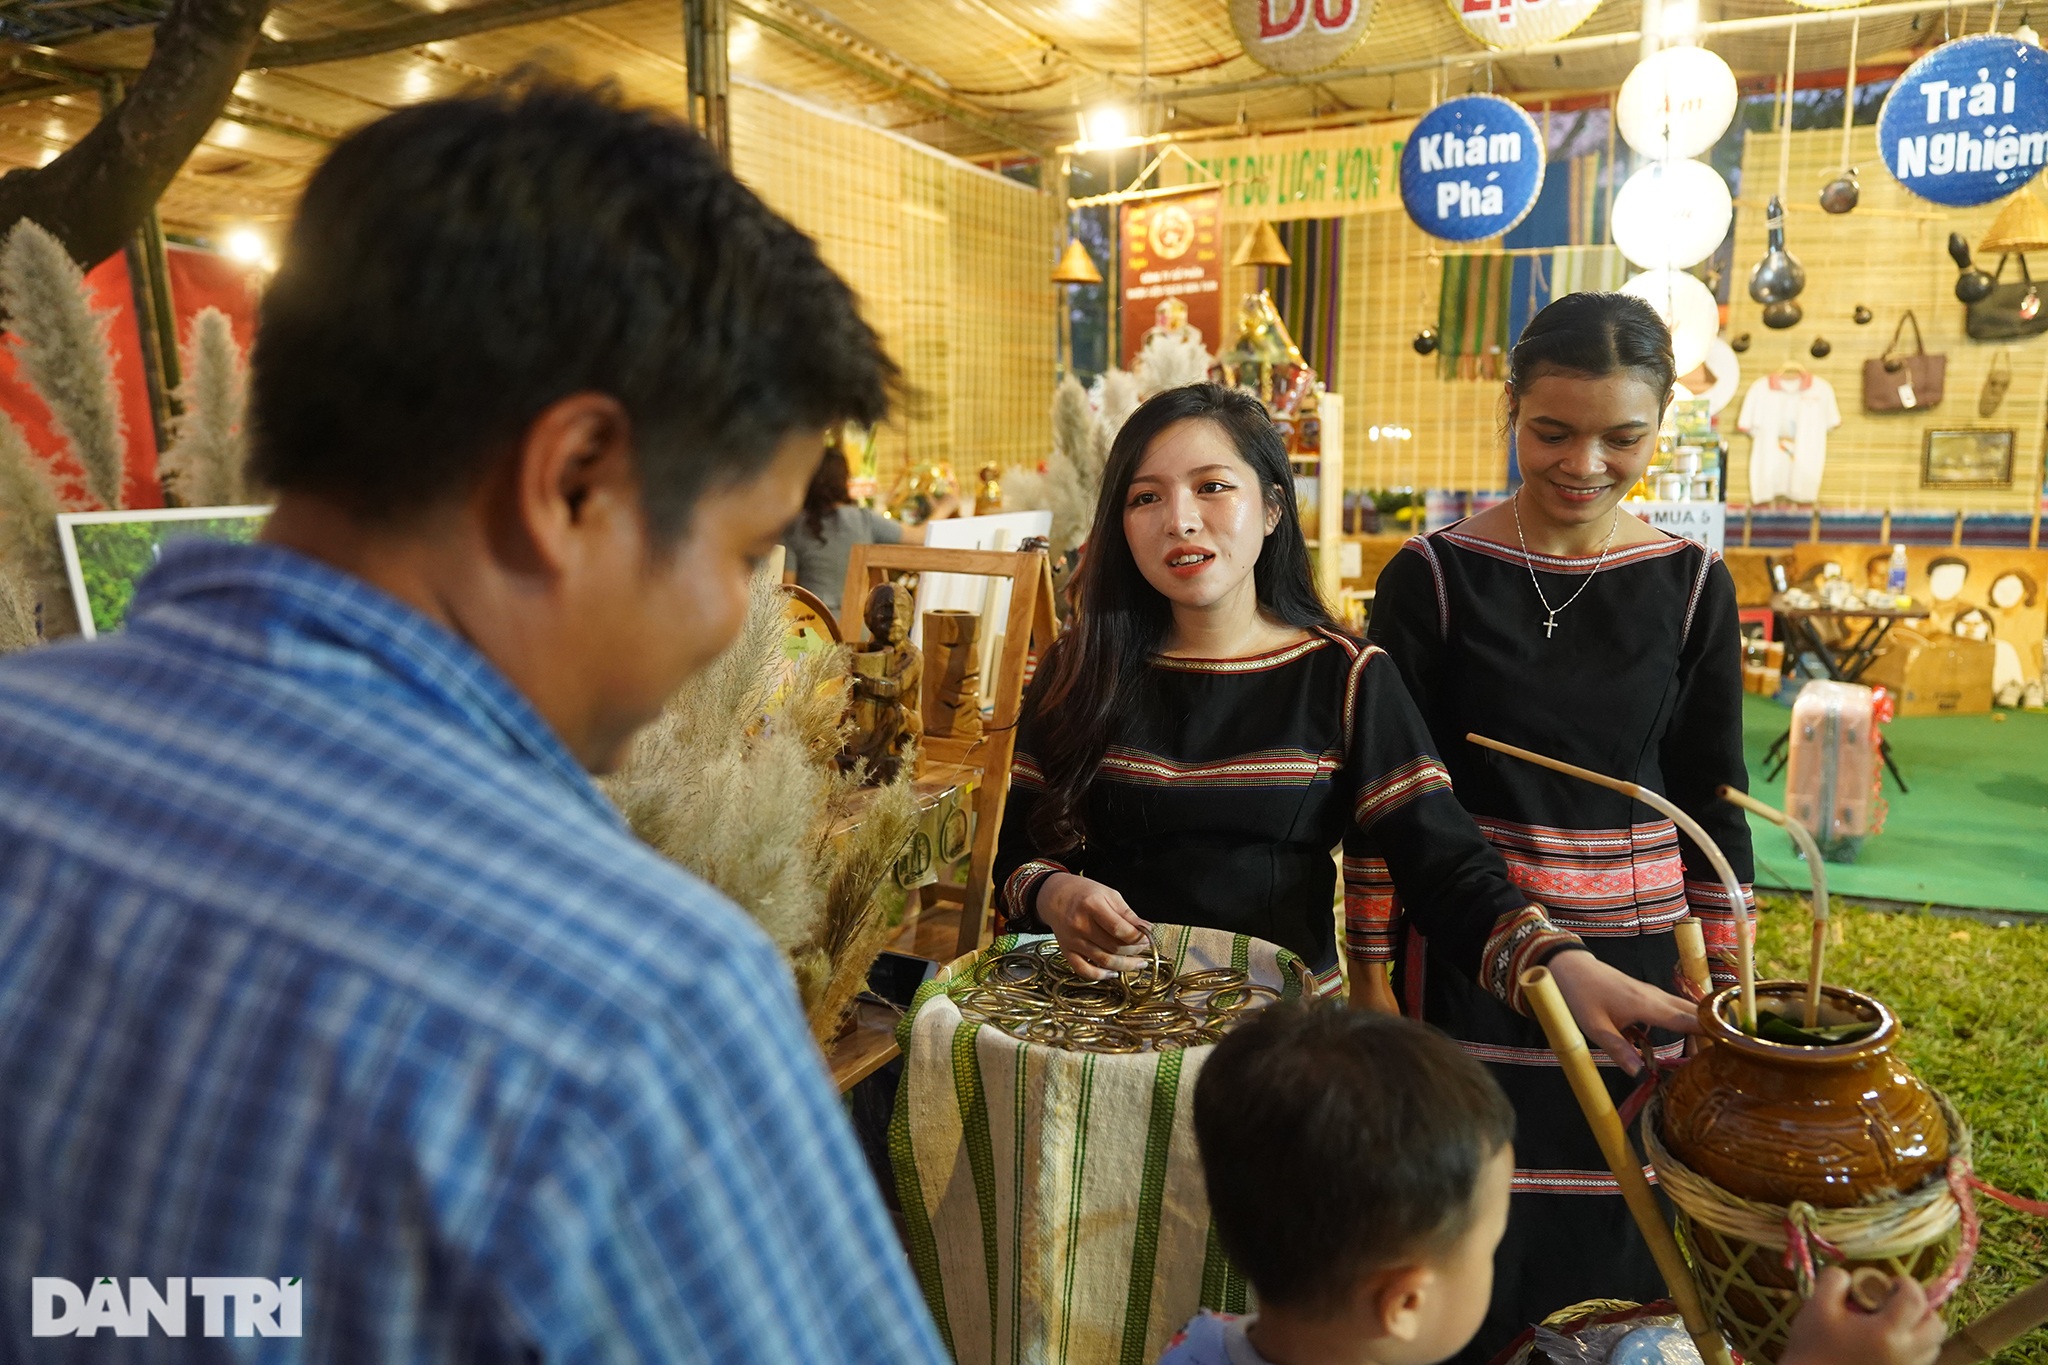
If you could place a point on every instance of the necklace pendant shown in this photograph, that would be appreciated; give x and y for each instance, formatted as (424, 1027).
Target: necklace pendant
(1550, 625)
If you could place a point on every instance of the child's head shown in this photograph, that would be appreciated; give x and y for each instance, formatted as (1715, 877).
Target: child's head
(1358, 1168)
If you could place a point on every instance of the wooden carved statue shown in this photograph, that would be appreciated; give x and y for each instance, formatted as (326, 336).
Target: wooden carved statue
(886, 688)
(952, 673)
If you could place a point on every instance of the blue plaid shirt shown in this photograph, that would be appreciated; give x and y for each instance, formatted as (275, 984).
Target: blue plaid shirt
(320, 956)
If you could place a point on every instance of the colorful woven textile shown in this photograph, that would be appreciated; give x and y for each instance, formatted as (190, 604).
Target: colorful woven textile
(1053, 1200)
(1310, 291)
(1472, 315)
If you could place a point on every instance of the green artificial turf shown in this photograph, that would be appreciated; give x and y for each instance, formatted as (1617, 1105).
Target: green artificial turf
(1974, 1002)
(1972, 831)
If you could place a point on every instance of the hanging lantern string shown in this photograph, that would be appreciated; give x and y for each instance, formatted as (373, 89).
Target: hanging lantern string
(1849, 89)
(1785, 124)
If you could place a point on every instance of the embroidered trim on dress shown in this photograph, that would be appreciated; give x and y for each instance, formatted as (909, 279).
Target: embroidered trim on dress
(1417, 777)
(1519, 941)
(1627, 554)
(1610, 883)
(1503, 1055)
(1265, 768)
(1025, 772)
(1699, 587)
(1018, 889)
(1372, 910)
(1251, 663)
(1572, 1182)
(1421, 546)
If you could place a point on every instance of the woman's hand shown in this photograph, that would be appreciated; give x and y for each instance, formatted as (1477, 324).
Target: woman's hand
(1605, 1001)
(1095, 929)
(1370, 988)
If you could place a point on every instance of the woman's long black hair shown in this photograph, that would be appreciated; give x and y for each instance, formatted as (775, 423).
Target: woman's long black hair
(1097, 669)
(828, 488)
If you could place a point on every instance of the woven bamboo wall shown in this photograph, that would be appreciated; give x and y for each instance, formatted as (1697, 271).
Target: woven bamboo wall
(1390, 294)
(1890, 255)
(951, 263)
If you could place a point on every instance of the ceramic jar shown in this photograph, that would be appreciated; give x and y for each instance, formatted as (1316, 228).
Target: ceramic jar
(1777, 1123)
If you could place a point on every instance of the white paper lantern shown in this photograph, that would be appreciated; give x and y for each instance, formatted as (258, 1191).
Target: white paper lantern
(1672, 214)
(1676, 103)
(1688, 309)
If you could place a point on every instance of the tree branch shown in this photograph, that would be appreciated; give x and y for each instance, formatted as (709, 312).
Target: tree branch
(94, 196)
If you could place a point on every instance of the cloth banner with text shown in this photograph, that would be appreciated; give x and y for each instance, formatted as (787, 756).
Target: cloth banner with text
(1322, 173)
(1172, 260)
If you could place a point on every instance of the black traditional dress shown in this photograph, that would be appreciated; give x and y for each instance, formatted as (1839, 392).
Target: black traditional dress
(1641, 680)
(1222, 799)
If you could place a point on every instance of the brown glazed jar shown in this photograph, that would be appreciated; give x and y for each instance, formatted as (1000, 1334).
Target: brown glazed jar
(1778, 1123)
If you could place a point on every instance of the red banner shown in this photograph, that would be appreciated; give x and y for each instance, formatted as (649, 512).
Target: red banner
(198, 278)
(1173, 261)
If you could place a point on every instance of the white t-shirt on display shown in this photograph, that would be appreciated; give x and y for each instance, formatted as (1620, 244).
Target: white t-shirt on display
(1788, 419)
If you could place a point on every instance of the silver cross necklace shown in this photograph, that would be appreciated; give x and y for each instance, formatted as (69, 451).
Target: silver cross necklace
(1550, 612)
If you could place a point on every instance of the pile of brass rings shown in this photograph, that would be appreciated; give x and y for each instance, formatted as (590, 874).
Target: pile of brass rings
(1033, 994)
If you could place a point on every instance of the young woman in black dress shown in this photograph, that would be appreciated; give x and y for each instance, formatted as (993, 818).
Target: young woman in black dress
(1198, 744)
(1559, 622)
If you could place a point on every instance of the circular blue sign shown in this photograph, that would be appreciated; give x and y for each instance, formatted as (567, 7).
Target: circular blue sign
(1472, 168)
(1968, 123)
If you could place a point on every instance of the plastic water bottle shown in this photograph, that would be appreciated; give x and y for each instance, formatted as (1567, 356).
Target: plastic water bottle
(1895, 583)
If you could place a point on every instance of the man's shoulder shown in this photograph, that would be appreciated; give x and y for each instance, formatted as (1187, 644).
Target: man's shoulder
(348, 834)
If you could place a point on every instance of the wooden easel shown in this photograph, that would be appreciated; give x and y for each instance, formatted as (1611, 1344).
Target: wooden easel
(1030, 624)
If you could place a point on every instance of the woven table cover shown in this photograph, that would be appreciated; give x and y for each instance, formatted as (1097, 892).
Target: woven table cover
(1053, 1199)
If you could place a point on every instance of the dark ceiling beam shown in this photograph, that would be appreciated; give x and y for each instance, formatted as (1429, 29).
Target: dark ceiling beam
(415, 32)
(910, 90)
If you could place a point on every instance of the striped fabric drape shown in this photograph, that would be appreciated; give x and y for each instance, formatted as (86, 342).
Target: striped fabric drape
(1309, 292)
(1472, 315)
(1053, 1201)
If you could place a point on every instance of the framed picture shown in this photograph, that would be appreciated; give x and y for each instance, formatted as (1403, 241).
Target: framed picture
(107, 553)
(1967, 459)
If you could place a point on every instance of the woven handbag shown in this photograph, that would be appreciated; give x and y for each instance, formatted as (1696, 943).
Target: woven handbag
(2010, 311)
(1896, 382)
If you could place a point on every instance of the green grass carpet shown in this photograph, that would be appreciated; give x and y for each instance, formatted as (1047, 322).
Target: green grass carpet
(1974, 1002)
(1973, 831)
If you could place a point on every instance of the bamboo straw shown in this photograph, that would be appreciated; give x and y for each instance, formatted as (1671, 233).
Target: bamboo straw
(1816, 870)
(1539, 988)
(1692, 953)
(1745, 952)
(1999, 1328)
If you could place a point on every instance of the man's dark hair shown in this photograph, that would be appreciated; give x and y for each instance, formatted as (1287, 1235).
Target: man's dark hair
(1336, 1141)
(458, 266)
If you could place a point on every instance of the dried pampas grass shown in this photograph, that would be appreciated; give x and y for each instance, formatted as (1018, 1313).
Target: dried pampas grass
(736, 783)
(204, 465)
(17, 611)
(61, 344)
(28, 532)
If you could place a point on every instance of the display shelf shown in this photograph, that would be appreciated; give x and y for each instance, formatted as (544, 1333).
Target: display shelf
(870, 1046)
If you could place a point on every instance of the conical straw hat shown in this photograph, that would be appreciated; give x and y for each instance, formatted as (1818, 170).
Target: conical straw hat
(2022, 225)
(1261, 246)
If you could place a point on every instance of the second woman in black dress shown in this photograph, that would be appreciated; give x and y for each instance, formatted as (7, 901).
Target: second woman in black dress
(1204, 737)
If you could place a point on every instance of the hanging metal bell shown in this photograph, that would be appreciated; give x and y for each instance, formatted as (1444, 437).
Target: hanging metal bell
(1842, 193)
(1973, 285)
(1425, 341)
(1782, 314)
(1862, 315)
(1740, 344)
(1778, 277)
(1820, 348)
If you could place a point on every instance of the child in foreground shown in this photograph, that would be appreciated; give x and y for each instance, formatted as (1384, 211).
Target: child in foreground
(1359, 1166)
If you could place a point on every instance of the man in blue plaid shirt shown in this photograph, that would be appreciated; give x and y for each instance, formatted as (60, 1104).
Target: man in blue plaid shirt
(323, 964)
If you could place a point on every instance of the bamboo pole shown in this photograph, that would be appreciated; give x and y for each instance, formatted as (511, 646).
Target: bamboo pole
(1692, 953)
(1816, 871)
(1539, 988)
(1999, 1328)
(1745, 950)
